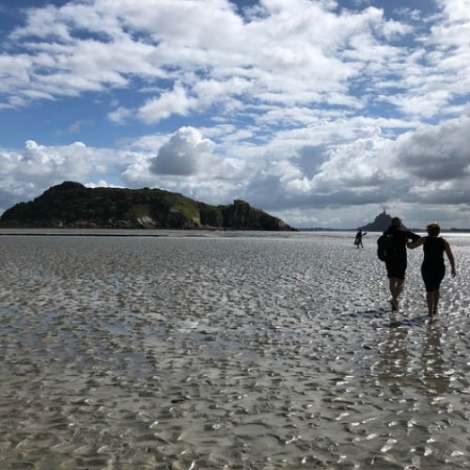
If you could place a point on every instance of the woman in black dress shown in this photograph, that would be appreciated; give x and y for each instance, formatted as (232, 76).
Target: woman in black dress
(433, 267)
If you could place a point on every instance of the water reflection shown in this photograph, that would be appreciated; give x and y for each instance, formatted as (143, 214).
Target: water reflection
(393, 363)
(401, 365)
(433, 365)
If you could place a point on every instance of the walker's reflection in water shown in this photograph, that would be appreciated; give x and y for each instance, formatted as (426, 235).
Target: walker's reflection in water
(433, 365)
(398, 367)
(225, 352)
(394, 358)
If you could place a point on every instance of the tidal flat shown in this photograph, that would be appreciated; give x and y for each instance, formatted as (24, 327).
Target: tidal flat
(227, 351)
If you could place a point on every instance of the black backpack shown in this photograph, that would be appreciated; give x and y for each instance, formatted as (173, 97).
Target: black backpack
(385, 246)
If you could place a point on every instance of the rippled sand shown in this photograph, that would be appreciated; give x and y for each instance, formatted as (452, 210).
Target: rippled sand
(227, 352)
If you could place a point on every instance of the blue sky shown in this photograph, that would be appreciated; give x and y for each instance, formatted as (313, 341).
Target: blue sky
(321, 112)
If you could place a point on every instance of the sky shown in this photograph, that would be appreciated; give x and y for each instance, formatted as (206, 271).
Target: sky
(321, 112)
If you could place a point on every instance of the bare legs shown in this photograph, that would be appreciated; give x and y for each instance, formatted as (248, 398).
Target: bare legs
(432, 299)
(396, 288)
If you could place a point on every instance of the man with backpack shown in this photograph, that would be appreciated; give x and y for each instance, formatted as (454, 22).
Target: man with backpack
(392, 250)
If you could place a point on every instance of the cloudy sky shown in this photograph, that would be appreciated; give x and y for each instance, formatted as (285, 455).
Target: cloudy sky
(321, 112)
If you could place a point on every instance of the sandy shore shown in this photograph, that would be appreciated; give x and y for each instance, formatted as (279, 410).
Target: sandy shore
(227, 352)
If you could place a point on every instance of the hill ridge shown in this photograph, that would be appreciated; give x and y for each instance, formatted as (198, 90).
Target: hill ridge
(73, 205)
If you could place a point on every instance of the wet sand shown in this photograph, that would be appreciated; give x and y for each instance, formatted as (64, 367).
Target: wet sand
(227, 351)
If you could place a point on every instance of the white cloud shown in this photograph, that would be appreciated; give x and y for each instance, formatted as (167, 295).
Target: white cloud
(289, 64)
(167, 104)
(27, 172)
(297, 104)
(184, 154)
(119, 115)
(438, 153)
(456, 10)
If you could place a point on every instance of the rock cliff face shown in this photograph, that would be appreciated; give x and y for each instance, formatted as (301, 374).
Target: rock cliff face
(72, 205)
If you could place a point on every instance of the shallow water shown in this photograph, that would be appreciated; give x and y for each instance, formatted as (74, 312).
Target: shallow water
(227, 351)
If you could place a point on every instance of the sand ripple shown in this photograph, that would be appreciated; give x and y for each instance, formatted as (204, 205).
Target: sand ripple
(227, 352)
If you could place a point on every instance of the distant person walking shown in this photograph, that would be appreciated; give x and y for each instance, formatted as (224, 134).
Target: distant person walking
(358, 240)
(433, 268)
(396, 261)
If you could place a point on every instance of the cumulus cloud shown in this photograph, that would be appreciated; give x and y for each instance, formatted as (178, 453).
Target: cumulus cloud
(438, 153)
(165, 105)
(295, 63)
(119, 115)
(27, 172)
(296, 106)
(184, 154)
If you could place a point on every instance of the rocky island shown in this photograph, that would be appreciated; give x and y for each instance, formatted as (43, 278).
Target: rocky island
(72, 205)
(381, 223)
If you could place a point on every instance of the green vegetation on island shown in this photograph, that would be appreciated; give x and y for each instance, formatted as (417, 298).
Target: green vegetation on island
(72, 205)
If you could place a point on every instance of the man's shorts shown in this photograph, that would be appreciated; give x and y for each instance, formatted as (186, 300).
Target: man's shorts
(396, 270)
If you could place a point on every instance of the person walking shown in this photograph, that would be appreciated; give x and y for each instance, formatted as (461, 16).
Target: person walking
(396, 262)
(433, 266)
(358, 240)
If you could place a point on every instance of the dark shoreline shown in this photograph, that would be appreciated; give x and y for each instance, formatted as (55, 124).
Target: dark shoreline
(46, 234)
